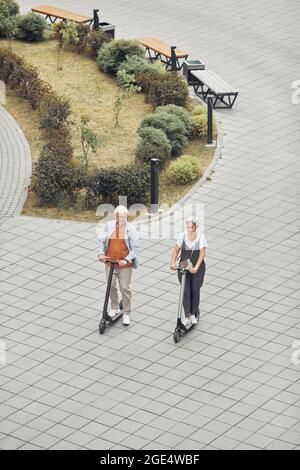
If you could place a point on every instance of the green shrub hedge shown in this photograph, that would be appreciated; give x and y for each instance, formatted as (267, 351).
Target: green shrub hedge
(169, 88)
(94, 41)
(54, 172)
(9, 17)
(31, 27)
(172, 126)
(153, 144)
(182, 113)
(9, 8)
(112, 54)
(107, 184)
(184, 170)
(199, 120)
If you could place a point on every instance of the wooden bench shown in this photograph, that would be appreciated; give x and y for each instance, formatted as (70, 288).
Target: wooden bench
(53, 13)
(169, 55)
(206, 82)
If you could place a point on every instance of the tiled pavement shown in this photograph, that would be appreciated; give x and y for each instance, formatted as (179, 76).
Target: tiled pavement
(231, 382)
(15, 166)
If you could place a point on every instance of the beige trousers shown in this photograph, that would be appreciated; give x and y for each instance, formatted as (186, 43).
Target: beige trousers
(124, 277)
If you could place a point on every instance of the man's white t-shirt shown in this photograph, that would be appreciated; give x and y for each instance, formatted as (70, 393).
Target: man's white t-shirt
(192, 243)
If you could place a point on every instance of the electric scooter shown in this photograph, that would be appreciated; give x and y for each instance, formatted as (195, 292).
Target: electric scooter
(182, 329)
(105, 317)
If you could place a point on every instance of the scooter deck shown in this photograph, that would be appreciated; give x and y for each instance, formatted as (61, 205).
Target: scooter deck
(115, 317)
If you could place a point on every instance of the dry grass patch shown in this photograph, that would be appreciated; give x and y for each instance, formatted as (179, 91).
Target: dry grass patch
(80, 82)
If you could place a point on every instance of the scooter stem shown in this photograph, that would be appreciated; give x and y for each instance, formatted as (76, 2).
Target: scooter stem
(181, 294)
(110, 275)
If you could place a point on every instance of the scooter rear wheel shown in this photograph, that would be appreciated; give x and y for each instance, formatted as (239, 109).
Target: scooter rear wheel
(176, 335)
(102, 326)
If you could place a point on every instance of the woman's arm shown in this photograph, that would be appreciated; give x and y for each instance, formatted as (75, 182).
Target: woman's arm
(174, 256)
(199, 261)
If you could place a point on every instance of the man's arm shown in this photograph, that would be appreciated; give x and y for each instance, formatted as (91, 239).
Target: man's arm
(101, 240)
(134, 244)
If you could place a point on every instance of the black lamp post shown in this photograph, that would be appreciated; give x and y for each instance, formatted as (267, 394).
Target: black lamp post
(209, 120)
(173, 59)
(154, 185)
(96, 20)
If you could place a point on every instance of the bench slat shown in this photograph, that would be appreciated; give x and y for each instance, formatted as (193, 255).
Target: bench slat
(160, 47)
(61, 14)
(213, 81)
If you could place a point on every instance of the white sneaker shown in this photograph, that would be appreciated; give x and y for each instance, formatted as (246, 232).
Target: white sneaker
(126, 320)
(194, 320)
(113, 312)
(186, 321)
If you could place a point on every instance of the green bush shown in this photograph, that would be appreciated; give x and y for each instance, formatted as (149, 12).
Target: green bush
(53, 174)
(199, 119)
(132, 66)
(113, 53)
(153, 144)
(169, 88)
(9, 27)
(172, 126)
(94, 42)
(21, 77)
(145, 79)
(54, 111)
(135, 65)
(9, 8)
(184, 169)
(141, 70)
(9, 19)
(107, 184)
(82, 31)
(31, 27)
(56, 29)
(180, 112)
(199, 110)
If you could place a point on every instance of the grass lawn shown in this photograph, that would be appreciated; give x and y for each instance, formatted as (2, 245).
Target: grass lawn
(90, 93)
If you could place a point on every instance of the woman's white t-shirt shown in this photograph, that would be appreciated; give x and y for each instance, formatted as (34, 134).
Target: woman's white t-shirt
(191, 243)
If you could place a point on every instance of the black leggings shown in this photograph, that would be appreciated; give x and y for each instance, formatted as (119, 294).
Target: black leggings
(193, 283)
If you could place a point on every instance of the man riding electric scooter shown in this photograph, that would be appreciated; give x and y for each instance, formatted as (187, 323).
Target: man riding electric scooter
(117, 243)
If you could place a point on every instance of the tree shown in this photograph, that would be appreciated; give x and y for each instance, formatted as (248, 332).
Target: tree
(126, 88)
(89, 141)
(67, 34)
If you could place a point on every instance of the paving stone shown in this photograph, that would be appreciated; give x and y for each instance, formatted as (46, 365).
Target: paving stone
(230, 381)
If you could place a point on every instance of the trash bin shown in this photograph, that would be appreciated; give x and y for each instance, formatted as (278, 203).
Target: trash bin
(191, 64)
(107, 28)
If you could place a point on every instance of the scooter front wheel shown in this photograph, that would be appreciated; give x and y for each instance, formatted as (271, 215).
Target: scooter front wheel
(176, 335)
(102, 326)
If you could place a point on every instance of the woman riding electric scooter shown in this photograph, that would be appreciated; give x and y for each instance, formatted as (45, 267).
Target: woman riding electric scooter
(191, 247)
